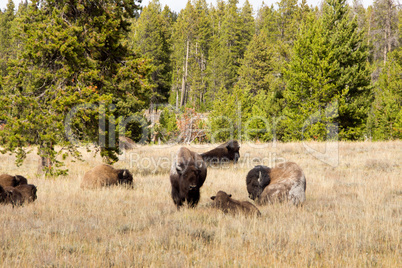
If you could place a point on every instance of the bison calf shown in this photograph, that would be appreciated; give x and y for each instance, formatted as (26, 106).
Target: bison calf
(187, 175)
(105, 175)
(227, 204)
(228, 151)
(12, 181)
(286, 182)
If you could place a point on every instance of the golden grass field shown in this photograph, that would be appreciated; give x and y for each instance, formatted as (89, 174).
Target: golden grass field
(352, 216)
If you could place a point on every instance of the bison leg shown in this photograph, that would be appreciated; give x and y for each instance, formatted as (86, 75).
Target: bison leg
(193, 197)
(177, 199)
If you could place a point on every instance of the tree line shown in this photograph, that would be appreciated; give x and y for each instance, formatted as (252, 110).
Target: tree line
(84, 71)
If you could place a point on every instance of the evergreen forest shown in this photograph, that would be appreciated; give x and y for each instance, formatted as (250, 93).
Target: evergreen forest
(76, 72)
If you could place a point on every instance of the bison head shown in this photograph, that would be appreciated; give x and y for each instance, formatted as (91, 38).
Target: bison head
(20, 180)
(125, 177)
(33, 192)
(220, 198)
(190, 175)
(233, 150)
(257, 179)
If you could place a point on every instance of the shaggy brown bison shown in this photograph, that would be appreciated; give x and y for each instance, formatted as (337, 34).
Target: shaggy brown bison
(4, 195)
(105, 175)
(10, 195)
(286, 182)
(187, 175)
(228, 151)
(18, 195)
(28, 192)
(8, 180)
(227, 204)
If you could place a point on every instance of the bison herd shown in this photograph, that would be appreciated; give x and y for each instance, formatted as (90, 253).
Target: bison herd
(15, 190)
(285, 182)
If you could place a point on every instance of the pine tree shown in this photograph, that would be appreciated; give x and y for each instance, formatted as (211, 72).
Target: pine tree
(266, 21)
(230, 112)
(288, 11)
(256, 71)
(328, 79)
(229, 42)
(260, 76)
(384, 28)
(151, 38)
(183, 35)
(73, 58)
(386, 118)
(6, 40)
(199, 50)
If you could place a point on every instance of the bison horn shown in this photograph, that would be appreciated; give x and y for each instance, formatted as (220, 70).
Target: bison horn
(179, 169)
(259, 178)
(124, 173)
(199, 164)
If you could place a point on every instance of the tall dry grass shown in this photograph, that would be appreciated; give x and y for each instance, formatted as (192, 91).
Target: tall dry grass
(352, 216)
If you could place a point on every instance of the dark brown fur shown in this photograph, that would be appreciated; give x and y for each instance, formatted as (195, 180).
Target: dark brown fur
(12, 196)
(105, 175)
(4, 196)
(286, 182)
(13, 181)
(187, 175)
(226, 152)
(227, 204)
(28, 192)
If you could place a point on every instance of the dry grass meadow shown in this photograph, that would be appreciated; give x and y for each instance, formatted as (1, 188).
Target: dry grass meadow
(352, 216)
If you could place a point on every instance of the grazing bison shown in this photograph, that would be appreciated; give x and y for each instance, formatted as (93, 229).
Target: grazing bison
(224, 202)
(4, 195)
(228, 151)
(10, 195)
(13, 181)
(105, 175)
(28, 192)
(286, 182)
(187, 175)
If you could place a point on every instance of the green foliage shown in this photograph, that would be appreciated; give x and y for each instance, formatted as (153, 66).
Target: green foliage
(229, 114)
(74, 76)
(78, 71)
(257, 70)
(232, 33)
(7, 25)
(329, 68)
(168, 123)
(151, 38)
(191, 42)
(386, 118)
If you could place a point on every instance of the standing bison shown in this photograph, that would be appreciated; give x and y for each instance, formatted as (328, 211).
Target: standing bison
(228, 151)
(224, 202)
(105, 175)
(286, 182)
(13, 181)
(15, 190)
(187, 175)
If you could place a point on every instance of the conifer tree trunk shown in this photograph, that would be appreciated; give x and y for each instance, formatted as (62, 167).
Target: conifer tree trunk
(45, 163)
(183, 85)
